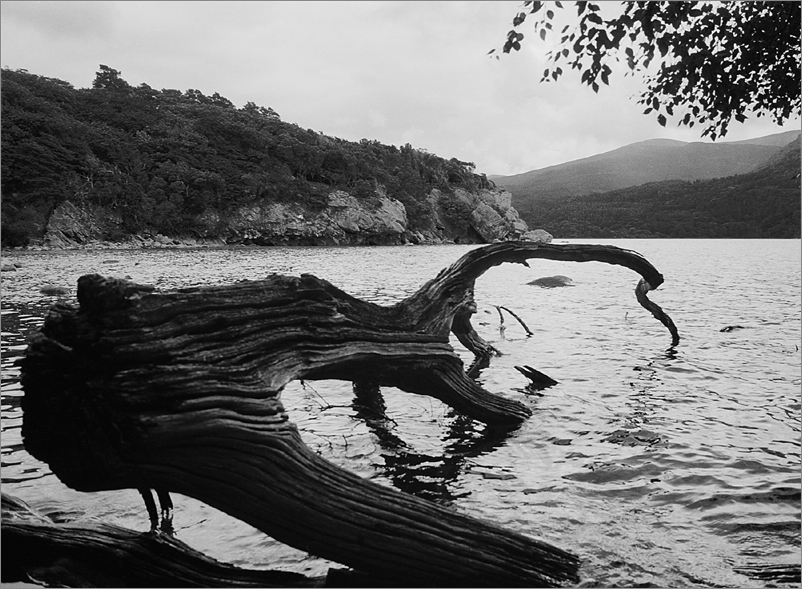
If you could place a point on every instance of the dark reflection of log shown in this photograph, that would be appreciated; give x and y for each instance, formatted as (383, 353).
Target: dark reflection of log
(433, 476)
(369, 406)
(180, 391)
(429, 476)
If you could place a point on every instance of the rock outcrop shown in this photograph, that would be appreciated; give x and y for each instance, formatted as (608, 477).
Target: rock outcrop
(484, 216)
(70, 226)
(345, 220)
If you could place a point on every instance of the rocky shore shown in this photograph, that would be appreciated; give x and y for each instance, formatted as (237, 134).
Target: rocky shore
(483, 216)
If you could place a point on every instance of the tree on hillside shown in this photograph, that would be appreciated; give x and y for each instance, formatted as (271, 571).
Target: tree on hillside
(716, 60)
(110, 79)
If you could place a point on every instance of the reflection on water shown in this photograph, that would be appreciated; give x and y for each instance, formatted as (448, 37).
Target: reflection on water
(660, 466)
(433, 475)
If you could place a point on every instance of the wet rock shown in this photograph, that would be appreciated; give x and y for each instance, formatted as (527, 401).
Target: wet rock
(639, 437)
(8, 268)
(53, 290)
(561, 441)
(552, 281)
(537, 235)
(500, 476)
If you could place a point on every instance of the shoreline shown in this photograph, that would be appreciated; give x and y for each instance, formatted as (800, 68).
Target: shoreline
(160, 242)
(110, 245)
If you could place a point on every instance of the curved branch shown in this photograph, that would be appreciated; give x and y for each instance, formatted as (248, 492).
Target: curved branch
(640, 293)
(521, 321)
(453, 287)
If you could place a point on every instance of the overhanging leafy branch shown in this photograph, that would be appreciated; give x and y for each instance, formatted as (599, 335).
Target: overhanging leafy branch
(716, 60)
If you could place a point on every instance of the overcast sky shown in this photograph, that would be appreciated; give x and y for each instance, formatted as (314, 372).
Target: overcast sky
(398, 72)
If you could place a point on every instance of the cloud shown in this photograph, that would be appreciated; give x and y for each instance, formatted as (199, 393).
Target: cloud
(396, 72)
(66, 21)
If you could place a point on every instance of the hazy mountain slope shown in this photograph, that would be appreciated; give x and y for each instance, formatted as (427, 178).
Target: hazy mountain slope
(763, 203)
(639, 163)
(777, 140)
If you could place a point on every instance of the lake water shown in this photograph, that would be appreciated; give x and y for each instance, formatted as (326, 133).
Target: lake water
(657, 466)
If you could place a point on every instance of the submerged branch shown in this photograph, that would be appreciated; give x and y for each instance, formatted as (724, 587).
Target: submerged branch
(521, 321)
(640, 293)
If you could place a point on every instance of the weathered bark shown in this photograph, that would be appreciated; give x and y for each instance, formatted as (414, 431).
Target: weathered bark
(772, 573)
(473, 342)
(180, 391)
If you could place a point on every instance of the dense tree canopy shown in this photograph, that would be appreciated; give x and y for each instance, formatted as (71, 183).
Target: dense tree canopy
(715, 60)
(157, 159)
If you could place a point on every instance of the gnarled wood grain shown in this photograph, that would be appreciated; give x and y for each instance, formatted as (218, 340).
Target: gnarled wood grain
(180, 391)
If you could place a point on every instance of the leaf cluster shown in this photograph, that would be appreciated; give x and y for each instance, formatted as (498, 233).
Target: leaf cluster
(714, 61)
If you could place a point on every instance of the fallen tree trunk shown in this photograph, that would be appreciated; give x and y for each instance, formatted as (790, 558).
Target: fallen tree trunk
(95, 554)
(180, 391)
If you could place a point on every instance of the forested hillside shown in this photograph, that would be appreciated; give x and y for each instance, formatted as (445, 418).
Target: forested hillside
(654, 160)
(764, 203)
(159, 158)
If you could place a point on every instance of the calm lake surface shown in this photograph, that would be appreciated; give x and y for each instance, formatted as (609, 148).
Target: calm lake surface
(659, 467)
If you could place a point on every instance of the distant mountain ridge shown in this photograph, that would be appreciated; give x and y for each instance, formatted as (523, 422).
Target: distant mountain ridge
(654, 160)
(762, 203)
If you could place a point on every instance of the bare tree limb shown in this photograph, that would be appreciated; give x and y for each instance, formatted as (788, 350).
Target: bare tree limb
(521, 321)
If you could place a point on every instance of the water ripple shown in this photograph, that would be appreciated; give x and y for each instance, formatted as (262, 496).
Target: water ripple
(659, 466)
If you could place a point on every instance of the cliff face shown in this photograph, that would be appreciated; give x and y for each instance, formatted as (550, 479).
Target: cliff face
(344, 221)
(483, 216)
(70, 225)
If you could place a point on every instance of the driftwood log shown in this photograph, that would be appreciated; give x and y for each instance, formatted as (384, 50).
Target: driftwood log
(95, 554)
(180, 391)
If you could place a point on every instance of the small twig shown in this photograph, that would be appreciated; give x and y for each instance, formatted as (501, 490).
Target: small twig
(311, 388)
(500, 315)
(499, 308)
(324, 438)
